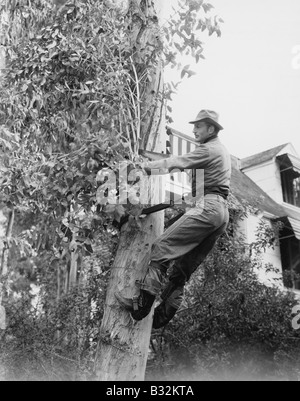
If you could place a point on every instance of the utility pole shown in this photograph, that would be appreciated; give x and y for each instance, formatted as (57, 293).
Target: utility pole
(124, 343)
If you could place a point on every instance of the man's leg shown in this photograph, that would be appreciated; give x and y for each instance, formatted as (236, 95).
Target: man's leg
(162, 253)
(183, 269)
(179, 240)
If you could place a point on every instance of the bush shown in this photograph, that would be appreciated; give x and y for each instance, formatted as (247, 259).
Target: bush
(231, 326)
(53, 341)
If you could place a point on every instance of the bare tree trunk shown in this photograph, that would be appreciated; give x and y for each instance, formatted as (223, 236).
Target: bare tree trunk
(124, 344)
(3, 28)
(73, 270)
(10, 223)
(4, 265)
(66, 274)
(2, 311)
(59, 283)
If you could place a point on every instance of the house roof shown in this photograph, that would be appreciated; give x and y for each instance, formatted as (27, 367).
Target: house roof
(245, 190)
(262, 157)
(291, 212)
(290, 162)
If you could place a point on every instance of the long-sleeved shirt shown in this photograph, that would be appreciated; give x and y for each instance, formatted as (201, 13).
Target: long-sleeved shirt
(212, 157)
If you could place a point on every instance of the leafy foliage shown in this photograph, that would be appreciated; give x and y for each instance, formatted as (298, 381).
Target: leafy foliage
(230, 327)
(72, 99)
(53, 341)
(73, 104)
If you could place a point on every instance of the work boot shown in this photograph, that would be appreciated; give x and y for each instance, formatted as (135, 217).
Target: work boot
(149, 287)
(165, 312)
(139, 307)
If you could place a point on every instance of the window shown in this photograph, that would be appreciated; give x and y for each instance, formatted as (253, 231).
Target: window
(291, 187)
(290, 179)
(290, 257)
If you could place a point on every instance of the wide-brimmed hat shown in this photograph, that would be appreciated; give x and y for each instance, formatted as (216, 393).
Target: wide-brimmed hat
(208, 115)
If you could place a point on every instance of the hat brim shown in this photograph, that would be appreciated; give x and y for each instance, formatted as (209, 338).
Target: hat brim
(210, 120)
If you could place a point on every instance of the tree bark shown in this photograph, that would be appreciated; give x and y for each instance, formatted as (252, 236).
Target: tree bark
(73, 270)
(2, 311)
(124, 343)
(4, 265)
(10, 223)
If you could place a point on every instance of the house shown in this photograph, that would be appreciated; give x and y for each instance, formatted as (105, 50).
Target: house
(277, 173)
(269, 182)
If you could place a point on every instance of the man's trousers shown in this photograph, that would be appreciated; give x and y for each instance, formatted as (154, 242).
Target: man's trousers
(188, 242)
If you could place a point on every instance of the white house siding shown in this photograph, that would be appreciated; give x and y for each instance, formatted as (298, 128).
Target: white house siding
(267, 177)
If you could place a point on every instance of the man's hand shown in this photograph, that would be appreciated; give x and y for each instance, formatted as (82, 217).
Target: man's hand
(144, 167)
(126, 168)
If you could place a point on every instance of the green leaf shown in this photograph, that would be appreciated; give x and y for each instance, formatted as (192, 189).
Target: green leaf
(119, 213)
(52, 45)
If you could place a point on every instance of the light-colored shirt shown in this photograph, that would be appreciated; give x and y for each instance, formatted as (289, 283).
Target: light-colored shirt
(212, 157)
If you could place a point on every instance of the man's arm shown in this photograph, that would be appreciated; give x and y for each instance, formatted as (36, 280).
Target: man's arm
(196, 159)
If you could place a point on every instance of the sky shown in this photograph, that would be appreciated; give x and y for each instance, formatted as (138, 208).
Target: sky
(251, 76)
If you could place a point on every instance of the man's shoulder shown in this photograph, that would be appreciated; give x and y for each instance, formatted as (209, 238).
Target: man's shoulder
(217, 144)
(216, 147)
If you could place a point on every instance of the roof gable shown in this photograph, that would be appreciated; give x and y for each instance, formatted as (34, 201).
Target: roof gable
(290, 150)
(264, 157)
(245, 190)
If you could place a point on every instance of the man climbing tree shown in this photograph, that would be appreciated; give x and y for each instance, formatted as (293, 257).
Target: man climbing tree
(83, 91)
(192, 237)
(121, 340)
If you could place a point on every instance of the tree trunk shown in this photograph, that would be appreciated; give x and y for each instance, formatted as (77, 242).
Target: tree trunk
(10, 223)
(2, 311)
(124, 343)
(73, 270)
(4, 265)
(3, 28)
